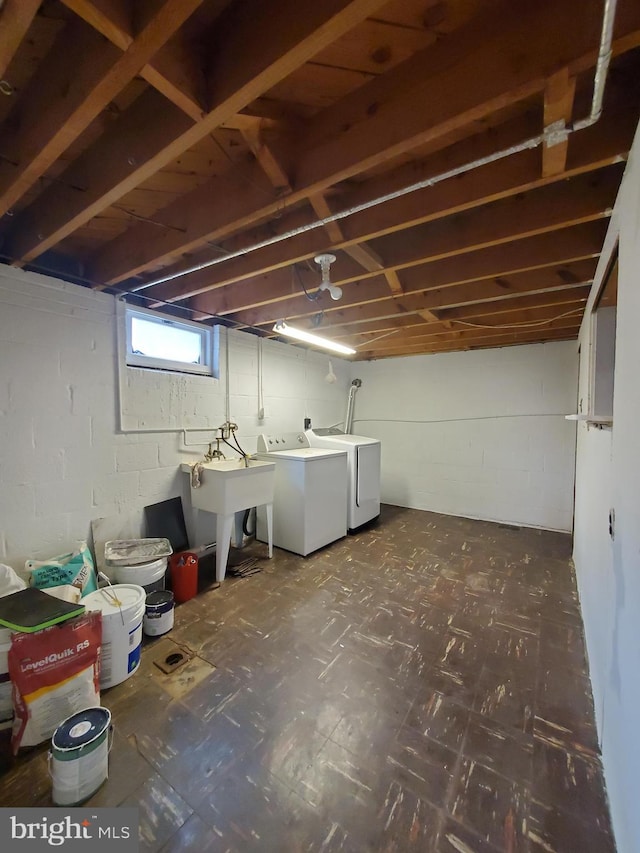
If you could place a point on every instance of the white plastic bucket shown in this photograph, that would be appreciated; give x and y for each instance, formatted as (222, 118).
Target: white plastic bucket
(6, 701)
(79, 757)
(122, 608)
(159, 613)
(148, 575)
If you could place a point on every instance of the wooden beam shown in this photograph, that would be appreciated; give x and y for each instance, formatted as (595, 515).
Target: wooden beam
(537, 298)
(592, 149)
(558, 247)
(445, 337)
(412, 324)
(373, 327)
(283, 35)
(174, 72)
(558, 106)
(367, 257)
(516, 320)
(506, 220)
(393, 280)
(487, 271)
(360, 252)
(111, 18)
(497, 307)
(15, 20)
(429, 95)
(456, 344)
(552, 208)
(487, 292)
(79, 77)
(320, 205)
(393, 344)
(252, 133)
(394, 117)
(428, 316)
(561, 205)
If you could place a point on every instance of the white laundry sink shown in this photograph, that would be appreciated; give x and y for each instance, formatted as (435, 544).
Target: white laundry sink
(227, 486)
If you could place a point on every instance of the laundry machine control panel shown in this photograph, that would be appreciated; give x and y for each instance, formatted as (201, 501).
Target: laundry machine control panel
(282, 441)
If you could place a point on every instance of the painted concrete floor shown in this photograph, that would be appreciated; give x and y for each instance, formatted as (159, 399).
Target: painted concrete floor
(420, 686)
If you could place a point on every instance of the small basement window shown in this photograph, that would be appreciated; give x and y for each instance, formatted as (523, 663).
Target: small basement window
(160, 342)
(603, 354)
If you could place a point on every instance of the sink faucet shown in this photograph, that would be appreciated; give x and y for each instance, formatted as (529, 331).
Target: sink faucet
(214, 454)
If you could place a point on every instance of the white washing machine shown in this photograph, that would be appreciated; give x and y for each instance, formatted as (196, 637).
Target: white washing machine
(310, 493)
(363, 465)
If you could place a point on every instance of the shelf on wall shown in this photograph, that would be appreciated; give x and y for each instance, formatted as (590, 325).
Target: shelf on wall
(590, 419)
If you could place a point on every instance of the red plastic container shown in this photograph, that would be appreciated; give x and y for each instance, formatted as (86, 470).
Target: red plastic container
(184, 575)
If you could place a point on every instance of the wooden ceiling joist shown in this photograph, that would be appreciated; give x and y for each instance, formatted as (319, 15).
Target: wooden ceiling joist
(407, 112)
(174, 72)
(504, 222)
(474, 340)
(410, 324)
(450, 319)
(15, 19)
(559, 206)
(563, 296)
(424, 98)
(558, 108)
(607, 144)
(499, 289)
(81, 76)
(216, 147)
(479, 341)
(252, 131)
(360, 252)
(393, 280)
(493, 267)
(259, 46)
(518, 319)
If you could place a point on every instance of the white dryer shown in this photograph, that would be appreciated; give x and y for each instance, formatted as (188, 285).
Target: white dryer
(310, 493)
(363, 463)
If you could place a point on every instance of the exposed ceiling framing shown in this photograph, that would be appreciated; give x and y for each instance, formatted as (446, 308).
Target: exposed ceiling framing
(139, 140)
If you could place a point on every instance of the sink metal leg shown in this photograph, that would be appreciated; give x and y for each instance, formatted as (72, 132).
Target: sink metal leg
(269, 511)
(224, 526)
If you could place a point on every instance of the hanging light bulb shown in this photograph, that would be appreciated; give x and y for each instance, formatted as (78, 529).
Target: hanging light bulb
(324, 262)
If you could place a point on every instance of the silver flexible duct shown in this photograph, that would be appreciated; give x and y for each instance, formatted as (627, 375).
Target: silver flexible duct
(351, 399)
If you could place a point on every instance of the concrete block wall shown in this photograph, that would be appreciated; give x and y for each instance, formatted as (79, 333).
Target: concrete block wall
(64, 460)
(479, 434)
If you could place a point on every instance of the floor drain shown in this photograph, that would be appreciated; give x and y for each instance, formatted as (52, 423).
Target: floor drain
(174, 660)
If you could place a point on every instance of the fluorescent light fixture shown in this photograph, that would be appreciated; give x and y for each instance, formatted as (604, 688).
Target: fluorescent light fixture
(309, 338)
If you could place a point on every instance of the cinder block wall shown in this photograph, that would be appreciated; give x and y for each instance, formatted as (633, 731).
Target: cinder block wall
(479, 434)
(63, 458)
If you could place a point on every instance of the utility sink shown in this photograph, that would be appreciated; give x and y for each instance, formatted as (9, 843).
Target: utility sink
(228, 486)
